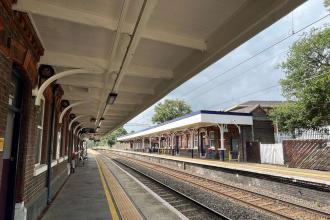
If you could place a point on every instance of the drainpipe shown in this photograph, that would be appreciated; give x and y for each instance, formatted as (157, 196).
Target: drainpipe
(50, 146)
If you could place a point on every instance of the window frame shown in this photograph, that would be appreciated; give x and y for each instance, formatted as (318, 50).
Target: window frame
(196, 141)
(58, 145)
(212, 139)
(41, 128)
(188, 139)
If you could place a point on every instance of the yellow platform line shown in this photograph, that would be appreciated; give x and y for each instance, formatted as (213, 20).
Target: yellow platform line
(111, 204)
(125, 206)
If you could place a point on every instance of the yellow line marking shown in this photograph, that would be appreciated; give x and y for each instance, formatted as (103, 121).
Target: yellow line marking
(126, 208)
(111, 205)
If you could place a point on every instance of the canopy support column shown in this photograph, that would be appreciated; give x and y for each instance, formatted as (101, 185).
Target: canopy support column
(159, 138)
(222, 142)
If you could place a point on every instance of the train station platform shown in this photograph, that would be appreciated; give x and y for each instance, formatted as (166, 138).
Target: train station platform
(82, 196)
(102, 190)
(305, 177)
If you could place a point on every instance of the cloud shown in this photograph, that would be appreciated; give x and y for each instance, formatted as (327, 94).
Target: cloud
(230, 88)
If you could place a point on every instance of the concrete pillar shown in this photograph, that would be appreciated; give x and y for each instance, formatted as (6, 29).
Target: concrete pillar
(222, 142)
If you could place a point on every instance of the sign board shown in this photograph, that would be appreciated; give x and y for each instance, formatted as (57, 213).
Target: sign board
(2, 142)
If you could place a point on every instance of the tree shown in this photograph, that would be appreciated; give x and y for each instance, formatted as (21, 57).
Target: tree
(327, 4)
(111, 138)
(169, 110)
(306, 85)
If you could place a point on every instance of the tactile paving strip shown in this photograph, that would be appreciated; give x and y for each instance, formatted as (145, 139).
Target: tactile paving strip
(125, 206)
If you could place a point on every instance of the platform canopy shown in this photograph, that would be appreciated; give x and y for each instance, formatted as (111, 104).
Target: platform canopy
(197, 119)
(139, 49)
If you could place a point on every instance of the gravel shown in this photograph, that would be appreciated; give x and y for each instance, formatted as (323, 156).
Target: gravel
(228, 207)
(306, 197)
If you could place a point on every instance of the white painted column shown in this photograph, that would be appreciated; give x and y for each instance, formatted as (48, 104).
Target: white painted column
(222, 138)
(222, 142)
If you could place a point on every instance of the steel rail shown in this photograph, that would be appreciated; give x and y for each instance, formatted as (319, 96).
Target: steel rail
(274, 201)
(174, 190)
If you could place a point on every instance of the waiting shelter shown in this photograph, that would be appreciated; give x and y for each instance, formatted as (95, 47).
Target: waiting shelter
(205, 134)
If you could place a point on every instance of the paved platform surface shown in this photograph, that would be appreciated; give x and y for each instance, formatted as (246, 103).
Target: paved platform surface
(82, 197)
(315, 176)
(149, 205)
(102, 190)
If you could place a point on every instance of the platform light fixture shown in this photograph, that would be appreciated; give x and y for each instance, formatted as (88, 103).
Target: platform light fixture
(112, 98)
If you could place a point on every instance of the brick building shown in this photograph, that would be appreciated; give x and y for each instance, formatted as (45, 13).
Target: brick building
(205, 134)
(240, 141)
(263, 127)
(33, 145)
(71, 68)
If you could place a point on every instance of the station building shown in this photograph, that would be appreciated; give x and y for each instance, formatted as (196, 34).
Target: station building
(31, 137)
(229, 135)
(71, 69)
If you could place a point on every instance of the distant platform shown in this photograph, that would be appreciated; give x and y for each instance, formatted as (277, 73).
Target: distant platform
(306, 177)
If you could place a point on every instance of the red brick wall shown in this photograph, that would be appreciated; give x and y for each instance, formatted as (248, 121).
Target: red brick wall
(46, 125)
(27, 145)
(5, 73)
(5, 70)
(16, 26)
(307, 154)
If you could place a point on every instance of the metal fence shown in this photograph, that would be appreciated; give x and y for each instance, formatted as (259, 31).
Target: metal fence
(323, 133)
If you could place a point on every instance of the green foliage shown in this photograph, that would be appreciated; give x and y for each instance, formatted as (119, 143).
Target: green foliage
(169, 110)
(111, 138)
(327, 4)
(287, 116)
(306, 85)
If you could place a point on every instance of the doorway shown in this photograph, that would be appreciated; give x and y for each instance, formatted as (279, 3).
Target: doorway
(11, 145)
(202, 143)
(177, 144)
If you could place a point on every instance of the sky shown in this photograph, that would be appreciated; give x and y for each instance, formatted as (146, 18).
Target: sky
(237, 77)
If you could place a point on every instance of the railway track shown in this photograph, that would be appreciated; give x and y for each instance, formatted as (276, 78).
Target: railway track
(276, 207)
(187, 206)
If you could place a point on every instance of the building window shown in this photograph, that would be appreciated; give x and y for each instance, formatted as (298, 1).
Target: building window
(179, 141)
(58, 145)
(196, 141)
(188, 141)
(212, 139)
(40, 122)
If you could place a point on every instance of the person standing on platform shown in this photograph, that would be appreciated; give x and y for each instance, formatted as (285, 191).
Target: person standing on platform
(73, 162)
